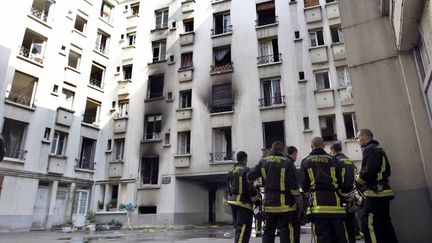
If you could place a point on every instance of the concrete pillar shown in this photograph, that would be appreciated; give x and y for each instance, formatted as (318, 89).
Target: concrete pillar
(106, 197)
(70, 201)
(53, 187)
(119, 195)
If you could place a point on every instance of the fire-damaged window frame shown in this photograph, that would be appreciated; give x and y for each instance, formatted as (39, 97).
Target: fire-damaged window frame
(149, 170)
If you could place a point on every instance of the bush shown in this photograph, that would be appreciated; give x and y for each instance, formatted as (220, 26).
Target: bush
(91, 216)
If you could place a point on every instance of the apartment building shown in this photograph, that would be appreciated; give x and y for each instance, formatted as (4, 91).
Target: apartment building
(109, 102)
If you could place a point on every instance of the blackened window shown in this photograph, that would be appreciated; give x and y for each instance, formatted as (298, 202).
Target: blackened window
(155, 86)
(150, 170)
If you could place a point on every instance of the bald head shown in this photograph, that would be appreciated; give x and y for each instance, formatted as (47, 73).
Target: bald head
(365, 132)
(317, 142)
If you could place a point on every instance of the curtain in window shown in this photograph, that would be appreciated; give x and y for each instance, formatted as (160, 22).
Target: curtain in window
(221, 53)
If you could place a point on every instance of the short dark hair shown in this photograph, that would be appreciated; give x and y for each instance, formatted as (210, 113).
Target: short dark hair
(278, 146)
(367, 132)
(291, 150)
(241, 156)
(336, 147)
(318, 142)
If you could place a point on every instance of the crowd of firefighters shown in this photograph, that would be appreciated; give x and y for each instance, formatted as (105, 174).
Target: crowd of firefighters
(328, 192)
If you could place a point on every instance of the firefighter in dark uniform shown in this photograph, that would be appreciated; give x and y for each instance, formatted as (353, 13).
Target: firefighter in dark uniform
(348, 175)
(242, 195)
(292, 153)
(373, 181)
(277, 172)
(322, 179)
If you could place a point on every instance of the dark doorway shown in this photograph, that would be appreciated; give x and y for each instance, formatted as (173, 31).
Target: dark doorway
(212, 208)
(273, 131)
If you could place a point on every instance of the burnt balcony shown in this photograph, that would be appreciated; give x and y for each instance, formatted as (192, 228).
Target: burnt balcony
(272, 101)
(221, 68)
(96, 83)
(266, 20)
(268, 59)
(218, 108)
(224, 30)
(222, 156)
(18, 154)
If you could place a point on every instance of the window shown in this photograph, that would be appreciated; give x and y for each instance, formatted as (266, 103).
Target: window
(91, 113)
(67, 99)
(336, 34)
(169, 96)
(87, 154)
(306, 123)
(47, 133)
(58, 146)
(118, 149)
(297, 34)
(97, 75)
(155, 86)
(40, 9)
(222, 58)
(330, 1)
(33, 46)
(186, 60)
(328, 126)
(153, 127)
(222, 144)
(343, 77)
(273, 131)
(322, 80)
(23, 89)
(185, 99)
(183, 143)
(109, 144)
(159, 51)
(131, 38)
(123, 106)
(271, 92)
(135, 8)
(1, 183)
(74, 59)
(127, 71)
(150, 170)
(102, 42)
(107, 11)
(147, 209)
(167, 138)
(301, 76)
(14, 135)
(188, 25)
(222, 23)
(350, 125)
(316, 37)
(269, 51)
(55, 89)
(221, 98)
(80, 24)
(311, 3)
(161, 18)
(266, 13)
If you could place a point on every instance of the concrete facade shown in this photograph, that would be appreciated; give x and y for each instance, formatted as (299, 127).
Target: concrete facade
(388, 48)
(133, 135)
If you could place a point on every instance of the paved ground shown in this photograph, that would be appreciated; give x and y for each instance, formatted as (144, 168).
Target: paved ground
(193, 234)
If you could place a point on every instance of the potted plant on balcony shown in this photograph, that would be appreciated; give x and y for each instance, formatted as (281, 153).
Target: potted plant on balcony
(121, 207)
(100, 205)
(67, 226)
(112, 205)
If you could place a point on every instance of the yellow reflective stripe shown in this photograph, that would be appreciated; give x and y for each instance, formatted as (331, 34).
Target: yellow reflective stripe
(241, 204)
(383, 166)
(371, 228)
(282, 186)
(240, 188)
(279, 209)
(255, 198)
(314, 199)
(326, 210)
(311, 178)
(343, 175)
(242, 233)
(337, 199)
(360, 180)
(333, 175)
(291, 230)
(263, 173)
(295, 192)
(385, 193)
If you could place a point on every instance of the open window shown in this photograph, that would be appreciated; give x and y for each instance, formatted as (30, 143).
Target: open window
(40, 9)
(131, 36)
(74, 60)
(14, 133)
(155, 86)
(186, 60)
(351, 127)
(273, 131)
(188, 25)
(107, 11)
(161, 17)
(316, 37)
(271, 93)
(222, 59)
(311, 3)
(322, 80)
(118, 150)
(336, 34)
(123, 107)
(343, 77)
(222, 100)
(80, 24)
(266, 13)
(33, 46)
(67, 99)
(153, 127)
(269, 51)
(222, 23)
(222, 144)
(328, 127)
(91, 113)
(183, 143)
(102, 42)
(159, 51)
(58, 146)
(23, 89)
(97, 75)
(185, 99)
(87, 154)
(150, 170)
(127, 71)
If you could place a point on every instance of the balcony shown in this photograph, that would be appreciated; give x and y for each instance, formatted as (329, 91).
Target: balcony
(34, 57)
(120, 124)
(318, 54)
(96, 83)
(324, 98)
(188, 6)
(17, 154)
(182, 160)
(101, 48)
(64, 116)
(184, 114)
(123, 87)
(219, 108)
(115, 169)
(222, 156)
(269, 59)
(221, 68)
(332, 10)
(187, 38)
(221, 31)
(85, 165)
(338, 50)
(185, 74)
(346, 96)
(57, 164)
(266, 20)
(39, 14)
(313, 14)
(273, 101)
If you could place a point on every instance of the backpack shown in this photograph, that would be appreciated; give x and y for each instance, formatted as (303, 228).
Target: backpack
(2, 148)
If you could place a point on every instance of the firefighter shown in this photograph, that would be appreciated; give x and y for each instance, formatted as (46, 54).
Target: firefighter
(373, 181)
(348, 175)
(322, 178)
(242, 195)
(292, 153)
(277, 172)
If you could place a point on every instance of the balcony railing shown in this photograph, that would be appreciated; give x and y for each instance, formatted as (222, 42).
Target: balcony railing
(154, 95)
(261, 21)
(20, 99)
(101, 48)
(25, 52)
(39, 14)
(153, 136)
(86, 165)
(219, 31)
(272, 101)
(221, 108)
(222, 156)
(161, 26)
(117, 157)
(16, 154)
(107, 17)
(269, 59)
(96, 83)
(222, 67)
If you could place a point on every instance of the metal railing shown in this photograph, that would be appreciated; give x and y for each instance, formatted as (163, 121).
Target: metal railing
(16, 154)
(117, 157)
(222, 156)
(107, 17)
(96, 83)
(221, 108)
(153, 95)
(161, 26)
(271, 101)
(261, 21)
(39, 14)
(20, 99)
(222, 67)
(152, 136)
(86, 165)
(219, 31)
(269, 59)
(101, 48)
(25, 52)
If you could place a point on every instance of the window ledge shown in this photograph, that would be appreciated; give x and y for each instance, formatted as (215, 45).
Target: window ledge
(182, 155)
(19, 105)
(44, 141)
(184, 109)
(39, 21)
(157, 62)
(30, 61)
(219, 1)
(342, 87)
(108, 151)
(312, 7)
(221, 35)
(293, 2)
(187, 33)
(111, 212)
(100, 53)
(58, 156)
(54, 94)
(117, 161)
(154, 99)
(65, 109)
(120, 118)
(222, 162)
(79, 33)
(331, 3)
(298, 39)
(13, 160)
(266, 26)
(128, 47)
(159, 29)
(106, 22)
(93, 126)
(317, 47)
(88, 1)
(222, 113)
(302, 81)
(149, 187)
(185, 69)
(269, 64)
(95, 88)
(307, 131)
(323, 90)
(169, 100)
(340, 43)
(158, 140)
(72, 69)
(133, 16)
(85, 170)
(167, 145)
(273, 107)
